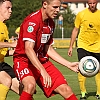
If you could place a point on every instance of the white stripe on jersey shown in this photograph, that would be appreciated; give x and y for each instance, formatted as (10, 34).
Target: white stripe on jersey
(31, 40)
(34, 13)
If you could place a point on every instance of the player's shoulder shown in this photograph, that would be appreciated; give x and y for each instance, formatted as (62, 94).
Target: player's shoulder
(36, 15)
(82, 12)
(33, 17)
(98, 10)
(2, 24)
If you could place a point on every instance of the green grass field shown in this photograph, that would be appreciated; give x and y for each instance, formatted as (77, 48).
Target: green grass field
(69, 75)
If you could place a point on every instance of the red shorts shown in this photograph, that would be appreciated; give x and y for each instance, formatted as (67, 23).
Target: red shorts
(23, 69)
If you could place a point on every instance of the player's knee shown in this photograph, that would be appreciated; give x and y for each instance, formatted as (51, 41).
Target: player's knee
(69, 89)
(8, 82)
(65, 89)
(31, 87)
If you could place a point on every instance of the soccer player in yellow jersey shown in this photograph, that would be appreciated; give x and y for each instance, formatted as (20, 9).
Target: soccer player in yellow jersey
(87, 24)
(8, 79)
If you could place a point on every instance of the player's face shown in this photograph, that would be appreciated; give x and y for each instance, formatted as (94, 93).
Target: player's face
(53, 8)
(92, 5)
(5, 10)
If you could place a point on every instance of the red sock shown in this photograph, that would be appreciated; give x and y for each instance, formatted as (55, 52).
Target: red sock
(72, 97)
(25, 96)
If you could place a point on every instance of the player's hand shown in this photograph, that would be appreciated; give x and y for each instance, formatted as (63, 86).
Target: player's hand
(46, 79)
(74, 66)
(70, 51)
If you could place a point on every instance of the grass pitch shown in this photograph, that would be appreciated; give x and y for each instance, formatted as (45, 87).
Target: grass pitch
(70, 76)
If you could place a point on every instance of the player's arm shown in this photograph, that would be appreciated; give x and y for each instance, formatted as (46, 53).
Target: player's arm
(10, 53)
(73, 38)
(56, 57)
(7, 44)
(34, 60)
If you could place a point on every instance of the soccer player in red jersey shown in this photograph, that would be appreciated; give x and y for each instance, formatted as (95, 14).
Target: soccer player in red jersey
(34, 48)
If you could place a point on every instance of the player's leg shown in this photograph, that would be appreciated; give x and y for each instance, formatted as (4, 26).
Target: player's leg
(5, 79)
(6, 76)
(59, 84)
(16, 86)
(3, 91)
(5, 83)
(66, 92)
(29, 88)
(82, 53)
(97, 78)
(82, 81)
(25, 76)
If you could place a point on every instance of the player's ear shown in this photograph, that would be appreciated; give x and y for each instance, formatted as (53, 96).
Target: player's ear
(45, 5)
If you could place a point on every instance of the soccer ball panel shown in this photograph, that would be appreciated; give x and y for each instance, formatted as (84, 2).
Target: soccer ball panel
(89, 66)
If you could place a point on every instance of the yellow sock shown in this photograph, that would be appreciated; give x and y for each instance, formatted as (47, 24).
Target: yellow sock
(3, 91)
(97, 78)
(82, 80)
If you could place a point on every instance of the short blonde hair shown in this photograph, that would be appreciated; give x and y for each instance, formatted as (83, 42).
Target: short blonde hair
(48, 1)
(4, 0)
(1, 1)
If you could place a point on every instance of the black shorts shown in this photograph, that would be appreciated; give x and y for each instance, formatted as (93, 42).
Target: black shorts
(82, 53)
(8, 69)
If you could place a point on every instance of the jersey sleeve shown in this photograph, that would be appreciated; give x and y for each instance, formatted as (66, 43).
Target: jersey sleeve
(30, 29)
(77, 20)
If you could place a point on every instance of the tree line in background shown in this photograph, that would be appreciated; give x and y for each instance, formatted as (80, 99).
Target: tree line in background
(22, 8)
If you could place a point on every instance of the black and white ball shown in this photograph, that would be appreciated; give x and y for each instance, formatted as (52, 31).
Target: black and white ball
(89, 66)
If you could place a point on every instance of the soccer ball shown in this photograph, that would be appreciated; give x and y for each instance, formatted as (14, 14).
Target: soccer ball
(89, 66)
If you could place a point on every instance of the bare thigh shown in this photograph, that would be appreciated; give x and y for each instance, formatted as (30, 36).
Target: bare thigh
(5, 79)
(64, 90)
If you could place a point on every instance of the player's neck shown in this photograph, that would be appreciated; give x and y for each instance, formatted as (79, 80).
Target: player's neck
(2, 19)
(93, 11)
(44, 16)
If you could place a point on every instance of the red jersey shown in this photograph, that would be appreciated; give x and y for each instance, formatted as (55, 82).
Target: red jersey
(35, 30)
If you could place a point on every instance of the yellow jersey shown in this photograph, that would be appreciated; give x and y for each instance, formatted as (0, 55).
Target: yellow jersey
(3, 37)
(89, 35)
(17, 30)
